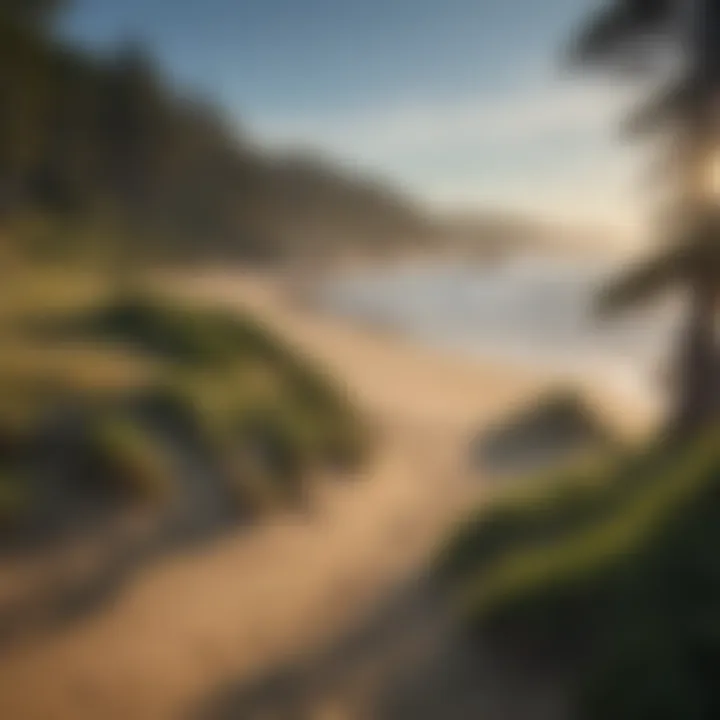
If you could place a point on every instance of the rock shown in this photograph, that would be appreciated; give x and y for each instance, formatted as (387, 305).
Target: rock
(555, 429)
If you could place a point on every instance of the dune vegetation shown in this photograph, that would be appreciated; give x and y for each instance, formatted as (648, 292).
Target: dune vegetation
(114, 396)
(609, 568)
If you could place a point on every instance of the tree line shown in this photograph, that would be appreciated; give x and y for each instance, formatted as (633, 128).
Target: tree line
(106, 143)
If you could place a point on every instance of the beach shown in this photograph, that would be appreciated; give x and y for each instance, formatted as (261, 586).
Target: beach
(263, 597)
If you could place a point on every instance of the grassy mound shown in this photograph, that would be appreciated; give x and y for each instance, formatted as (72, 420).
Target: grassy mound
(129, 388)
(617, 562)
(245, 393)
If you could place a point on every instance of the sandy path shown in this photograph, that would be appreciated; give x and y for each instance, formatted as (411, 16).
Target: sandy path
(254, 599)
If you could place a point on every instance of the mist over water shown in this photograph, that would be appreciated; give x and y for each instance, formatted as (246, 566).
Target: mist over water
(530, 310)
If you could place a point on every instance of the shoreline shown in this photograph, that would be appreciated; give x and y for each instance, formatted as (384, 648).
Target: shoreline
(258, 600)
(629, 409)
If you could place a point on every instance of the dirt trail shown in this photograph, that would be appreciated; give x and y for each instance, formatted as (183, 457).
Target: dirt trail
(232, 611)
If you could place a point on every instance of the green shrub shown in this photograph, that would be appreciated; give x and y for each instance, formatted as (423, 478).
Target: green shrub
(233, 365)
(639, 579)
(160, 329)
(130, 460)
(185, 334)
(535, 511)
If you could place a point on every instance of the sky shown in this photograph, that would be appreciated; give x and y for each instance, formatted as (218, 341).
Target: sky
(466, 104)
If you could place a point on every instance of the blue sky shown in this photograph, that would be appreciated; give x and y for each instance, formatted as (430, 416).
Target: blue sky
(464, 103)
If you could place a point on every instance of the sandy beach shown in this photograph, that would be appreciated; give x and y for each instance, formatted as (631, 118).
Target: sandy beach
(191, 625)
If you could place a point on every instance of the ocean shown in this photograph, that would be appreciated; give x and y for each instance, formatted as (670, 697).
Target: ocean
(531, 310)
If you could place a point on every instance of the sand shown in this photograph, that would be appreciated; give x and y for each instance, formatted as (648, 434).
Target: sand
(190, 625)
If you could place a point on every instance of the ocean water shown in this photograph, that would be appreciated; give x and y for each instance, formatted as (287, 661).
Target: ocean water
(531, 310)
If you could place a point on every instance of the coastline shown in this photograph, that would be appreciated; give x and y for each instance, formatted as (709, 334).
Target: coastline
(477, 386)
(260, 599)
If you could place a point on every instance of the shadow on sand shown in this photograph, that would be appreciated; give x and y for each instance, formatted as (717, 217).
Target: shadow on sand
(407, 660)
(66, 595)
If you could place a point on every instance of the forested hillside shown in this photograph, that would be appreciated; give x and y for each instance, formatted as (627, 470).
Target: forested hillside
(103, 153)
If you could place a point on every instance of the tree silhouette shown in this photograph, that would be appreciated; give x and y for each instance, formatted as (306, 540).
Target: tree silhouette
(676, 45)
